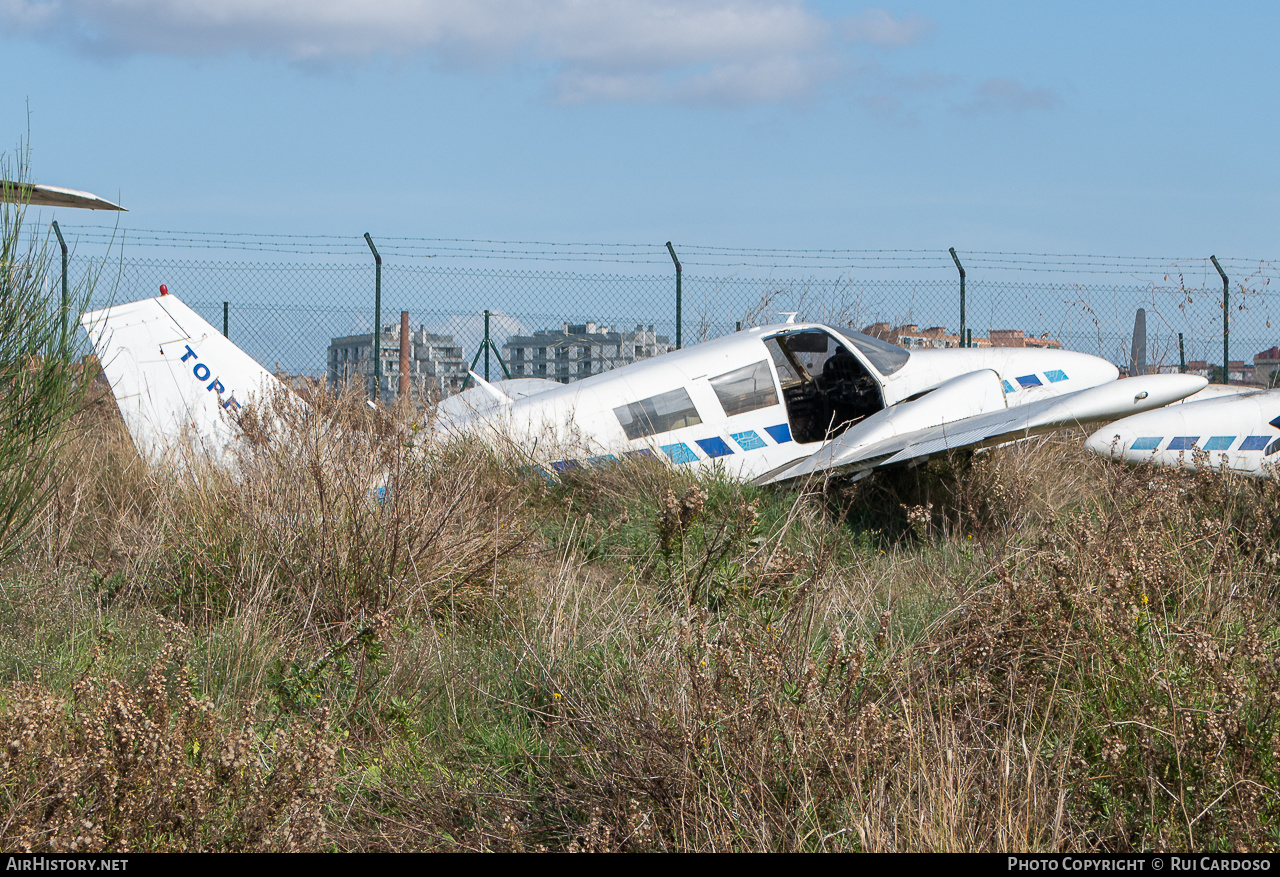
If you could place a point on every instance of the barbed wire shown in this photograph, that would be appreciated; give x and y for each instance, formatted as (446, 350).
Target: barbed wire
(653, 253)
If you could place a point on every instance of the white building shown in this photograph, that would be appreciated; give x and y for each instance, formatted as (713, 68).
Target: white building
(436, 366)
(577, 351)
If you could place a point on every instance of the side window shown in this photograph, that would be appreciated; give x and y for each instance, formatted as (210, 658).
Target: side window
(746, 389)
(661, 413)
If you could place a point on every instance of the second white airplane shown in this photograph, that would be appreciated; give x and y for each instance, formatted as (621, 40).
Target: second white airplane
(1240, 430)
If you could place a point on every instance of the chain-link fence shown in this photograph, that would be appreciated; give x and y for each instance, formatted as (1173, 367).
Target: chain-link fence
(291, 316)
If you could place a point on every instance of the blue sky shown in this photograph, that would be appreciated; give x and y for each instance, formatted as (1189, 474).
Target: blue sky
(1113, 128)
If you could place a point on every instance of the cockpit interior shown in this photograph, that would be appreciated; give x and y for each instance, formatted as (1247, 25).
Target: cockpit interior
(826, 388)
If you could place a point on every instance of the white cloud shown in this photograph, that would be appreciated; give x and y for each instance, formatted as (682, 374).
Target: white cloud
(24, 14)
(771, 79)
(727, 52)
(1008, 95)
(882, 29)
(600, 49)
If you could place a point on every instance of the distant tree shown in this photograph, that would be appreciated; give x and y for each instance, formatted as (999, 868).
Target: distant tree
(39, 389)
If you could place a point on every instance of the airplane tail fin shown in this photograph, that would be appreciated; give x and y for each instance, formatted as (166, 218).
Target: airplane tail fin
(1138, 352)
(182, 387)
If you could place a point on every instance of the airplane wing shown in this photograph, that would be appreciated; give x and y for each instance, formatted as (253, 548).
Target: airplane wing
(965, 413)
(52, 196)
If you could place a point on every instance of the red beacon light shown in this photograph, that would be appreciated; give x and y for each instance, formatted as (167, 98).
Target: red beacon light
(164, 290)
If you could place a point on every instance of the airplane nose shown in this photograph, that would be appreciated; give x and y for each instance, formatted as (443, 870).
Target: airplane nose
(1094, 370)
(1109, 442)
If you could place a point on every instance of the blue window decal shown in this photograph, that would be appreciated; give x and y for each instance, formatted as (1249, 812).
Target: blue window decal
(780, 433)
(566, 465)
(1183, 442)
(748, 440)
(601, 460)
(536, 470)
(680, 453)
(1008, 387)
(1147, 443)
(1254, 443)
(1056, 375)
(1030, 381)
(1220, 443)
(643, 452)
(1276, 423)
(715, 447)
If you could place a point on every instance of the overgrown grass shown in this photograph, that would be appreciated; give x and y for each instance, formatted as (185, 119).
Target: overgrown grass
(1028, 649)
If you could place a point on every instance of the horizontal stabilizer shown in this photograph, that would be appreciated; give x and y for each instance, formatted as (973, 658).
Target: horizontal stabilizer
(52, 196)
(485, 396)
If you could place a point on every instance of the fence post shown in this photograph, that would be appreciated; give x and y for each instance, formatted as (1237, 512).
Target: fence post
(960, 268)
(66, 302)
(1226, 314)
(679, 271)
(226, 308)
(377, 317)
(1182, 356)
(404, 390)
(485, 346)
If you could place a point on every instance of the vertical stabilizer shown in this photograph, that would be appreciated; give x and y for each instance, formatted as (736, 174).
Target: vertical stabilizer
(1138, 352)
(182, 388)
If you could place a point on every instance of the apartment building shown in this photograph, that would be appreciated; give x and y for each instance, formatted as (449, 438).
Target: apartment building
(436, 364)
(579, 350)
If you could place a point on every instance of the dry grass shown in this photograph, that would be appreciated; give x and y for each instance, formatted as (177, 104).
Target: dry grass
(1028, 649)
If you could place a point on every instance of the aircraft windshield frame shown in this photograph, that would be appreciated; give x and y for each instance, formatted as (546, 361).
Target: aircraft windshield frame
(885, 357)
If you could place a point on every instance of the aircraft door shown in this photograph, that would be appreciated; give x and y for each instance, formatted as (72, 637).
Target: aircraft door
(826, 387)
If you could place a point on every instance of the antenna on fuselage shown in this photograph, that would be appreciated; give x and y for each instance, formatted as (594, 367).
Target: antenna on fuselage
(790, 315)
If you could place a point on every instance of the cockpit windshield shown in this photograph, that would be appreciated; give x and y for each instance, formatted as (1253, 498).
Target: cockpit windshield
(887, 358)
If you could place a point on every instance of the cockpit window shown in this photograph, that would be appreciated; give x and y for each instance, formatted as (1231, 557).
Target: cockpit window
(746, 389)
(661, 413)
(887, 358)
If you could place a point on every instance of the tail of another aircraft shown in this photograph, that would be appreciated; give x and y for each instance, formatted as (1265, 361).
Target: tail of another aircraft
(183, 389)
(1138, 352)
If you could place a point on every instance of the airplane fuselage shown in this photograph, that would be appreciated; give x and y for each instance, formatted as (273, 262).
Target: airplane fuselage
(1241, 431)
(688, 408)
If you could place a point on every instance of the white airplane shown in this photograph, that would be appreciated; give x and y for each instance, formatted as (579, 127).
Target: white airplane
(768, 404)
(1235, 428)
